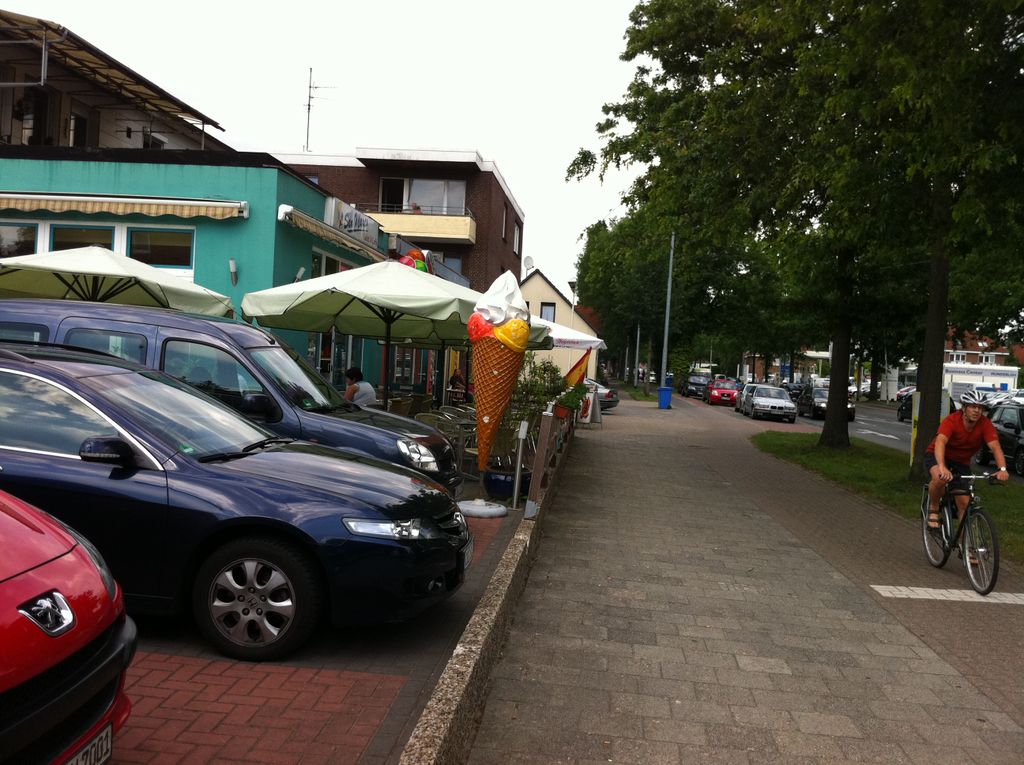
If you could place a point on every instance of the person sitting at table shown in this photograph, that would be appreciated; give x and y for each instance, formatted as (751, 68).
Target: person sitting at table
(359, 391)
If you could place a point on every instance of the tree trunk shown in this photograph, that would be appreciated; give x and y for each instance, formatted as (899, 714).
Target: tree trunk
(835, 433)
(929, 371)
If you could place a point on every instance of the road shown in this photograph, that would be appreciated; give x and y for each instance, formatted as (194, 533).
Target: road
(877, 424)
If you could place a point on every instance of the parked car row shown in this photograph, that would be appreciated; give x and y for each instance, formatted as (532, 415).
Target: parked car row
(813, 402)
(765, 401)
(194, 485)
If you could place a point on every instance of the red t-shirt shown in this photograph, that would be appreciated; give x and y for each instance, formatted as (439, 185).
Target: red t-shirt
(963, 443)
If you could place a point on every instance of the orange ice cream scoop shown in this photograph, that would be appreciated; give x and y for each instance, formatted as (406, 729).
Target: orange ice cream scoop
(513, 334)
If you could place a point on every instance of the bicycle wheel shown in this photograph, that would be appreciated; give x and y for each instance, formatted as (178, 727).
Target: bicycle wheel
(981, 558)
(936, 549)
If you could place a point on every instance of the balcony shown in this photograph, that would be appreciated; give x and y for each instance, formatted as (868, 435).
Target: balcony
(425, 225)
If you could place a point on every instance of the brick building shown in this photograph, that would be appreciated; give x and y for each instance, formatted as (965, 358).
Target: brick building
(452, 203)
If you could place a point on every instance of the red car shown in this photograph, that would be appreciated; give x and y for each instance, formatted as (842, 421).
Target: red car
(722, 392)
(65, 641)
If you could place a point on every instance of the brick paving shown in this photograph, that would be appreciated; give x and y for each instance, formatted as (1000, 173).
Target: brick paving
(352, 695)
(694, 600)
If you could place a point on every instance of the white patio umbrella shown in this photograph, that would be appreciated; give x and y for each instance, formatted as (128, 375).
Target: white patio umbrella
(384, 300)
(98, 274)
(562, 336)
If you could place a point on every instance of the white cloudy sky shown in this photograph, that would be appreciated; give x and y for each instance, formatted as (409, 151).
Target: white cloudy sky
(521, 83)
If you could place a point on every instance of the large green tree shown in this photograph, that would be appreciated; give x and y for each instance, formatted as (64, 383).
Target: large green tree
(842, 137)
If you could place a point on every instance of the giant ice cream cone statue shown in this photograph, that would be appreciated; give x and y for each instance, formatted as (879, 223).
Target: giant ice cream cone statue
(498, 329)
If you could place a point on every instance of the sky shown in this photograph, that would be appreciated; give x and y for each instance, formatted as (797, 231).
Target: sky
(522, 84)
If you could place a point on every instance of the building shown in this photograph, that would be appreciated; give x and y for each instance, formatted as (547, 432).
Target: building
(452, 203)
(57, 89)
(546, 301)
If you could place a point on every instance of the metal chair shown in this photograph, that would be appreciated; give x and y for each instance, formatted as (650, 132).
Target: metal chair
(400, 406)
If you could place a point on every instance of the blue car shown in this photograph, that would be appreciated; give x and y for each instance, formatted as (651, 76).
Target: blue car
(197, 508)
(242, 366)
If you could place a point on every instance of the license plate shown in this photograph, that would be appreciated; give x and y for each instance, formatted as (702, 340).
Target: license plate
(466, 554)
(96, 751)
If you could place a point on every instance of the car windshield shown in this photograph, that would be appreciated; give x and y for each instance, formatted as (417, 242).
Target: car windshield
(821, 392)
(297, 379)
(771, 393)
(699, 380)
(725, 385)
(186, 419)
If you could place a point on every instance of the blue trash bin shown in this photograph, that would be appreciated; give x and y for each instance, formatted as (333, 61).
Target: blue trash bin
(670, 378)
(664, 398)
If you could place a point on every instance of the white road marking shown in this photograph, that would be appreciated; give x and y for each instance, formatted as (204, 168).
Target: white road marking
(930, 593)
(876, 433)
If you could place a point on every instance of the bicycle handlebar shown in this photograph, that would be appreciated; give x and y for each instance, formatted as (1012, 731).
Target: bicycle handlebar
(992, 477)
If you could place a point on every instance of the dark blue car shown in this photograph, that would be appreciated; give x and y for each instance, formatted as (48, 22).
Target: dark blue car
(195, 506)
(242, 366)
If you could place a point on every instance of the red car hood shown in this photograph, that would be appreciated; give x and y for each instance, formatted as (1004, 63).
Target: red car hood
(28, 537)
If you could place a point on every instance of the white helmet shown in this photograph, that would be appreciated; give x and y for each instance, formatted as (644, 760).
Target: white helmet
(972, 397)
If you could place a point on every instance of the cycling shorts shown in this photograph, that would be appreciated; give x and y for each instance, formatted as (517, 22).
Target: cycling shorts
(956, 468)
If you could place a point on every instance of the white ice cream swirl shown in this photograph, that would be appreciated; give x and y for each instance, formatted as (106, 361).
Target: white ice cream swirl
(503, 301)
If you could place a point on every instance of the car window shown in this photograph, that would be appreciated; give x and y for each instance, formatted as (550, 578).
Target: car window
(303, 386)
(772, 393)
(126, 345)
(211, 370)
(16, 330)
(183, 417)
(821, 393)
(38, 416)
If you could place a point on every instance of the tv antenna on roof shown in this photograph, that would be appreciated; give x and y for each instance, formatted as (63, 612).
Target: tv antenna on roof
(309, 103)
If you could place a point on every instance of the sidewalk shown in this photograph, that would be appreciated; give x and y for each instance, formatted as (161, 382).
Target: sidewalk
(694, 600)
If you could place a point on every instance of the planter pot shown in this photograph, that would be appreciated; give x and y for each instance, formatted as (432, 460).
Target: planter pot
(499, 484)
(561, 411)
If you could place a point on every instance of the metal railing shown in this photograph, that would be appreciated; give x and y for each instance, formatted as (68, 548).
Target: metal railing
(413, 209)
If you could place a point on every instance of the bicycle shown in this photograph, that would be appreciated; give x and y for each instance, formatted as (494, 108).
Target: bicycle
(975, 531)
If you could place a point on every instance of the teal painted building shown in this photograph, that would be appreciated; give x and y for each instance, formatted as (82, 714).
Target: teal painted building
(234, 222)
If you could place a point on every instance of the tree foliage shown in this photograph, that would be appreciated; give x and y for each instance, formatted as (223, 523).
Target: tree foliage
(830, 168)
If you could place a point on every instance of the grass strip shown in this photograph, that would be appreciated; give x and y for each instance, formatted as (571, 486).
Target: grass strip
(637, 394)
(880, 473)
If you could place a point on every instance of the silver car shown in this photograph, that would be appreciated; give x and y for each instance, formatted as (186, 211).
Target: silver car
(769, 401)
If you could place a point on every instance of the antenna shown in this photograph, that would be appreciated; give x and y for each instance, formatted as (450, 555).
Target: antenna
(309, 103)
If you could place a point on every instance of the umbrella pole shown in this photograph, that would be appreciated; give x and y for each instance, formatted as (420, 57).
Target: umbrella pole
(441, 386)
(387, 364)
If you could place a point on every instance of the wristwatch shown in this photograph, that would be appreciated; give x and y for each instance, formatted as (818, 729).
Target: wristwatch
(1002, 468)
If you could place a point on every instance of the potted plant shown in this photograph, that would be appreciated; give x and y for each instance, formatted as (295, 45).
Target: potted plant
(570, 401)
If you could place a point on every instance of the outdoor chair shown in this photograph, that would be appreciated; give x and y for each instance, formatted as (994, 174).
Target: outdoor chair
(400, 406)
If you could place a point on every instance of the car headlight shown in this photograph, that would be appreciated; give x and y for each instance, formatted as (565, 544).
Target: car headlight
(411, 529)
(418, 455)
(97, 560)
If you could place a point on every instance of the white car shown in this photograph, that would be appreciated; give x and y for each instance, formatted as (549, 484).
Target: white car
(768, 401)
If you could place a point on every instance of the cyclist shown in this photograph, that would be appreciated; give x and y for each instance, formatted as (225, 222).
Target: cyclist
(960, 435)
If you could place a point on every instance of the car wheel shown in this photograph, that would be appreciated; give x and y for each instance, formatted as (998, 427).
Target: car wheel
(1018, 461)
(899, 415)
(792, 419)
(257, 598)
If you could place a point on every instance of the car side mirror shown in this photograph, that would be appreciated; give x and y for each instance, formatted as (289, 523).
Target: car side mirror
(258, 405)
(106, 449)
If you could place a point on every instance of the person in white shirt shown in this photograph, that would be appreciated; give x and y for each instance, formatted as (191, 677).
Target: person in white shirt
(359, 391)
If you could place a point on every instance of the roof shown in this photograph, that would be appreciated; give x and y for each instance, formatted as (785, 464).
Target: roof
(92, 64)
(576, 309)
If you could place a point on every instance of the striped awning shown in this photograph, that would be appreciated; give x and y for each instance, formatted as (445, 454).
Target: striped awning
(124, 205)
(328, 233)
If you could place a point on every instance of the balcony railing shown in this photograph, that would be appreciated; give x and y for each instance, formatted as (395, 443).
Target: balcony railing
(413, 209)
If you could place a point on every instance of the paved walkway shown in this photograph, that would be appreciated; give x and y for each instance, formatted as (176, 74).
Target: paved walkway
(694, 600)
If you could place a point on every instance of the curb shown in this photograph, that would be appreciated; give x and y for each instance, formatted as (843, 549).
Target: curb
(445, 730)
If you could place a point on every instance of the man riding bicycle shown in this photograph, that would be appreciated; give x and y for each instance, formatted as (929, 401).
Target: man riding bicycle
(960, 436)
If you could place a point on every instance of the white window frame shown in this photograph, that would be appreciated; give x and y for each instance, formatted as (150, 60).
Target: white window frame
(515, 238)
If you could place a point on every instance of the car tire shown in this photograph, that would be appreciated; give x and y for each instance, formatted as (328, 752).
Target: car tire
(899, 416)
(1018, 461)
(262, 569)
(792, 419)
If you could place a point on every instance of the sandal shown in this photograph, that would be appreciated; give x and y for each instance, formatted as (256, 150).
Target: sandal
(933, 520)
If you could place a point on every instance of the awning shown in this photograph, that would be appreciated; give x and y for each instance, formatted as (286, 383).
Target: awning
(328, 233)
(124, 205)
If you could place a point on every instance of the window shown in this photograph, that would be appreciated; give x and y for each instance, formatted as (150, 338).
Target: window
(211, 370)
(988, 358)
(392, 194)
(401, 371)
(454, 262)
(151, 140)
(17, 239)
(38, 416)
(958, 357)
(126, 345)
(37, 109)
(314, 179)
(504, 222)
(70, 237)
(78, 131)
(16, 330)
(432, 196)
(547, 311)
(515, 239)
(160, 248)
